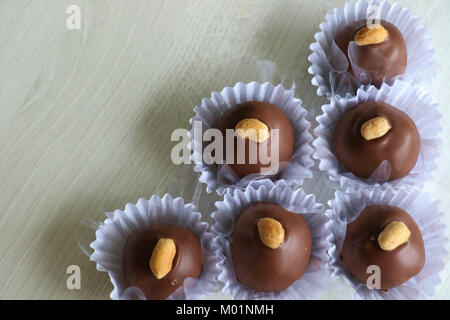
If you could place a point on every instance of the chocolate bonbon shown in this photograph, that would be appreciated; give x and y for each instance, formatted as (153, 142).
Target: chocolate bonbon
(270, 247)
(158, 258)
(261, 118)
(387, 237)
(373, 132)
(380, 49)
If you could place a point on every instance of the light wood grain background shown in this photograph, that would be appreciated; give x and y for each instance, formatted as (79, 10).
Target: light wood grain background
(86, 115)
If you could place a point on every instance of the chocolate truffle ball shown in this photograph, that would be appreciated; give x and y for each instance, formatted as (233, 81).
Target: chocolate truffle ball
(270, 247)
(262, 118)
(372, 132)
(380, 49)
(158, 258)
(387, 237)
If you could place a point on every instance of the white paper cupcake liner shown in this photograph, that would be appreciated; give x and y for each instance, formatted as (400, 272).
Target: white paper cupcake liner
(314, 280)
(114, 231)
(418, 105)
(425, 212)
(329, 64)
(210, 112)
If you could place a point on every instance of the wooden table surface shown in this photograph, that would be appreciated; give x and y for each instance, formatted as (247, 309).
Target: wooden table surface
(86, 115)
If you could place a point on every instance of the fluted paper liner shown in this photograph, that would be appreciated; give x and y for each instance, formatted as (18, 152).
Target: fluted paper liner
(210, 112)
(418, 105)
(425, 212)
(313, 281)
(329, 64)
(114, 231)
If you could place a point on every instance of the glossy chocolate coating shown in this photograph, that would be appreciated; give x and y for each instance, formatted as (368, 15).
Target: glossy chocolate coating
(361, 248)
(383, 60)
(138, 250)
(274, 118)
(262, 268)
(400, 146)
